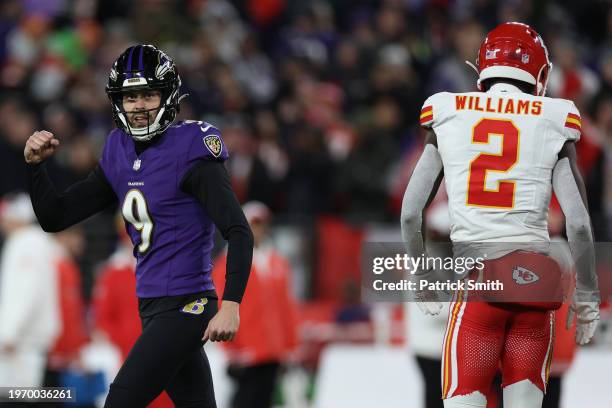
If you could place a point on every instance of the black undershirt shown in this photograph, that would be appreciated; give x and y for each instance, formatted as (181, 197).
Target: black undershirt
(207, 181)
(148, 307)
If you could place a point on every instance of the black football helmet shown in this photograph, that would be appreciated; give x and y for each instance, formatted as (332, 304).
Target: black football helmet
(144, 67)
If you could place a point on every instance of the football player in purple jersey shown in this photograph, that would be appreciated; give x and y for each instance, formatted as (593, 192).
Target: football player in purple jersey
(172, 189)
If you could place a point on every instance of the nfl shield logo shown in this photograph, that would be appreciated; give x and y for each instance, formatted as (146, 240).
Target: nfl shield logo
(136, 165)
(213, 144)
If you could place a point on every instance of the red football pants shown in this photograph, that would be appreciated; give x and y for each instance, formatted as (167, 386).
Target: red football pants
(480, 336)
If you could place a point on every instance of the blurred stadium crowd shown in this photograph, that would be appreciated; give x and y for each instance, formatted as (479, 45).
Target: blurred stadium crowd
(317, 101)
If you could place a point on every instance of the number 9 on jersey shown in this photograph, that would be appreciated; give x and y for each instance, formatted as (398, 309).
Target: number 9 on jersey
(135, 212)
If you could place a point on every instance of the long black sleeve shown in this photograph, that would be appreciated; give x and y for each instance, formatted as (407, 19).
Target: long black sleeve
(58, 211)
(209, 182)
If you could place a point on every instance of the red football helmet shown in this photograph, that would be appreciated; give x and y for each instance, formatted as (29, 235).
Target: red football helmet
(516, 51)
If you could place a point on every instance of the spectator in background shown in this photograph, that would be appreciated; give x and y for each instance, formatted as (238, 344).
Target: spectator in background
(363, 181)
(602, 127)
(268, 328)
(571, 78)
(311, 170)
(255, 72)
(114, 306)
(606, 73)
(239, 140)
(349, 70)
(64, 354)
(29, 306)
(393, 81)
(591, 163)
(451, 74)
(16, 124)
(271, 162)
(221, 23)
(352, 309)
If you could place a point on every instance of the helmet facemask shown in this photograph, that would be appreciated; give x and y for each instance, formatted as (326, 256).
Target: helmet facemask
(166, 112)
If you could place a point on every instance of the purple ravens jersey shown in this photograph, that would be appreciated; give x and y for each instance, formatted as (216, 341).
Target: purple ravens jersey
(171, 232)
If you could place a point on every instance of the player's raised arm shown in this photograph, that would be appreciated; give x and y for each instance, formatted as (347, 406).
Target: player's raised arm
(57, 211)
(571, 193)
(421, 189)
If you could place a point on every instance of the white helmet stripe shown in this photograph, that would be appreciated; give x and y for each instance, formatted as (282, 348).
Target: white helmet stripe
(501, 71)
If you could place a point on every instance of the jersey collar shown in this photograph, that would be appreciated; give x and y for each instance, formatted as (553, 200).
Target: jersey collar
(502, 87)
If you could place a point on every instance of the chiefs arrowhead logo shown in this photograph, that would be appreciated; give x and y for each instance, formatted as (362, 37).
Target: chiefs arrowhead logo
(524, 276)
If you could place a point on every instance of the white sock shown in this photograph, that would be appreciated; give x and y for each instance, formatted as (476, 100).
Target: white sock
(473, 400)
(523, 394)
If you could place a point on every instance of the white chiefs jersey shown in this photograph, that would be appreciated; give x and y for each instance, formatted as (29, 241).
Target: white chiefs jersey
(498, 150)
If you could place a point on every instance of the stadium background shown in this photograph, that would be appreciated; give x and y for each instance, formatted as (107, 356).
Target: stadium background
(318, 104)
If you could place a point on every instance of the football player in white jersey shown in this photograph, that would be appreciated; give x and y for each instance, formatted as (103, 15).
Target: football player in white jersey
(502, 151)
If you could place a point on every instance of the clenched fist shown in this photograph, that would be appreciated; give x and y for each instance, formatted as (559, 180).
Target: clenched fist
(39, 146)
(224, 325)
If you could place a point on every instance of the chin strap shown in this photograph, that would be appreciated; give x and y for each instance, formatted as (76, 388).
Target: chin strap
(183, 96)
(478, 84)
(541, 87)
(472, 65)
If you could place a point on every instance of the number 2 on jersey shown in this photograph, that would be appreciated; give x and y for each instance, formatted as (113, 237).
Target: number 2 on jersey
(135, 212)
(503, 195)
